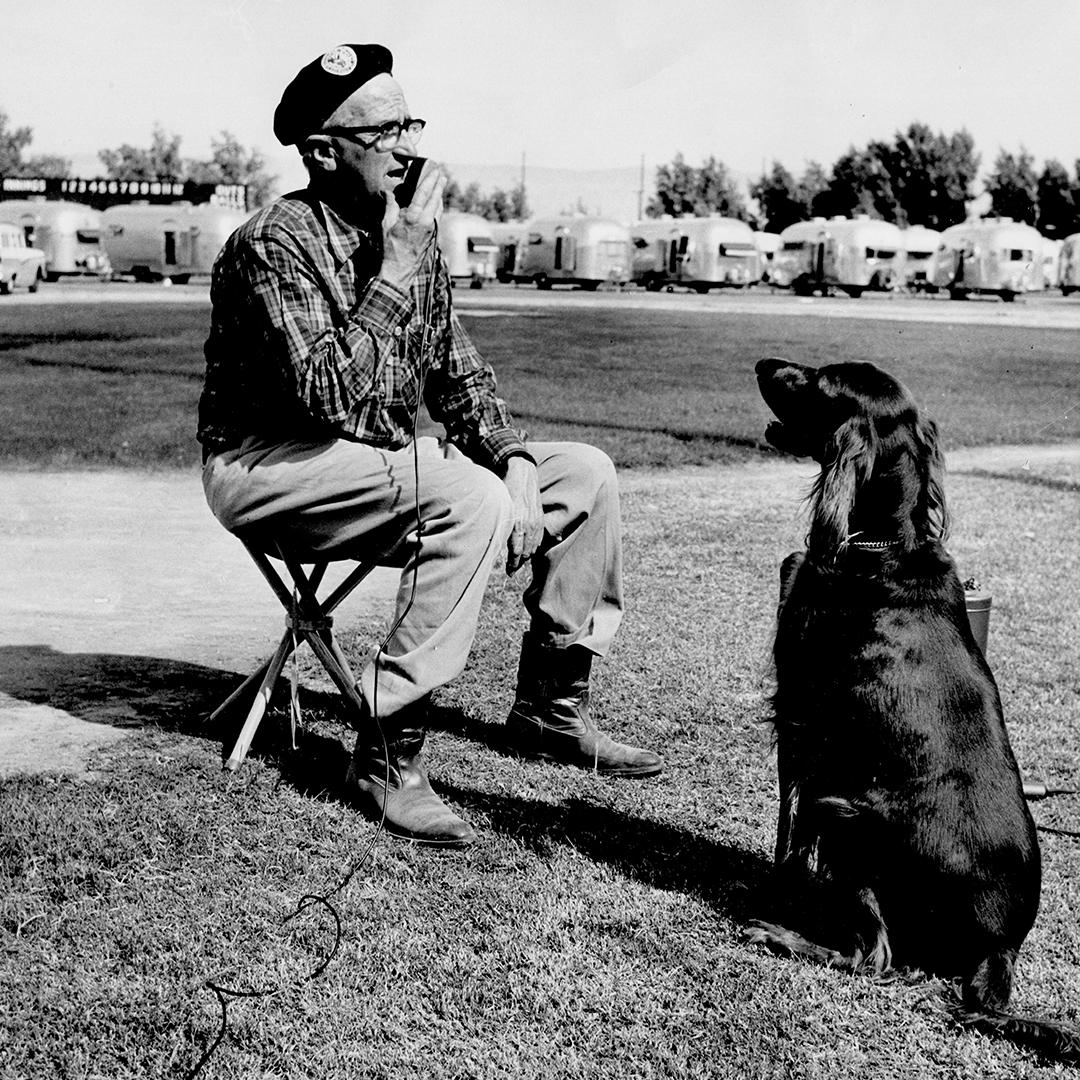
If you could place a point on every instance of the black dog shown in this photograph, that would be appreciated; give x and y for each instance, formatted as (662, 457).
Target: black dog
(904, 838)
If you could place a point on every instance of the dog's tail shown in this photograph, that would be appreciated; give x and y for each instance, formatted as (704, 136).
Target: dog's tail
(1049, 1038)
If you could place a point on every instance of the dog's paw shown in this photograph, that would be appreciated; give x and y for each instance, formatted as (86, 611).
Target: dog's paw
(759, 932)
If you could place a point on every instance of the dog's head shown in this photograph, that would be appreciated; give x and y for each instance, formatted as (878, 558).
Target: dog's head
(881, 467)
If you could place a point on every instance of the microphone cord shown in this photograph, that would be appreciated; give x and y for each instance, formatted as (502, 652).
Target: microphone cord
(323, 900)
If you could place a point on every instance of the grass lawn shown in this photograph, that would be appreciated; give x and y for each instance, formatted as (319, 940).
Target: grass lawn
(114, 384)
(595, 929)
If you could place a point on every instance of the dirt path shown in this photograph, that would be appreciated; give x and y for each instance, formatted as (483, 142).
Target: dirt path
(112, 576)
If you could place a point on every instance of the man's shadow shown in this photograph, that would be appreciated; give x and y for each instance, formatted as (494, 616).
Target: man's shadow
(139, 691)
(107, 688)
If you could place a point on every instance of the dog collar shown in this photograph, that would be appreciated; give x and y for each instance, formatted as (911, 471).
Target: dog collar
(874, 545)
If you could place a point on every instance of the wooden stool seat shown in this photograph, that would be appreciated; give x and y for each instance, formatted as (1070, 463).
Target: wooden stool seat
(307, 619)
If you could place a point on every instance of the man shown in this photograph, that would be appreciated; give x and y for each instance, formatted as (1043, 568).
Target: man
(332, 319)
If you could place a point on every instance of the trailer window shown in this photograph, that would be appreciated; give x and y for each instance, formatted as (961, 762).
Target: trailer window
(794, 245)
(535, 238)
(640, 242)
(738, 250)
(880, 253)
(1017, 254)
(86, 236)
(478, 244)
(919, 254)
(613, 249)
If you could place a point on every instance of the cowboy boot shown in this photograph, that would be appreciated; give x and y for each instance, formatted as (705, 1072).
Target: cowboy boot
(550, 718)
(412, 809)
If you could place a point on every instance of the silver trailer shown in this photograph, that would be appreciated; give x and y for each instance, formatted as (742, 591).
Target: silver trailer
(68, 232)
(583, 251)
(1069, 265)
(167, 242)
(209, 226)
(852, 254)
(920, 243)
(995, 255)
(510, 236)
(699, 253)
(768, 244)
(468, 247)
(1051, 262)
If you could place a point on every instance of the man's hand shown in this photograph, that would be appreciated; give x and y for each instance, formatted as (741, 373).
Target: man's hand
(407, 232)
(528, 531)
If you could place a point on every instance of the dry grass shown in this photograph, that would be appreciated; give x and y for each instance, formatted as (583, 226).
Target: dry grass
(594, 931)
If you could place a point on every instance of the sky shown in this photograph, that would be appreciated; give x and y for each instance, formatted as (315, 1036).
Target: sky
(560, 84)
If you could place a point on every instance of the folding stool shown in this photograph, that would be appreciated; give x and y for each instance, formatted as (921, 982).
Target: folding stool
(307, 618)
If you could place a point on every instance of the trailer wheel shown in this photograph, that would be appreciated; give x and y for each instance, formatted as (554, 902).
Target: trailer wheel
(33, 286)
(854, 291)
(957, 294)
(5, 287)
(542, 281)
(1008, 295)
(654, 284)
(701, 290)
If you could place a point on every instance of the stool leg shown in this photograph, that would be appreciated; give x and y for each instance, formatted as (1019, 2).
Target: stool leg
(258, 706)
(337, 667)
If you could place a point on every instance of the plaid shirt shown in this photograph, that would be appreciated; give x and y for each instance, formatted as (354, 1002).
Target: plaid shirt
(306, 341)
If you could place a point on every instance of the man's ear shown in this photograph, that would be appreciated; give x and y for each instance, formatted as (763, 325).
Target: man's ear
(321, 152)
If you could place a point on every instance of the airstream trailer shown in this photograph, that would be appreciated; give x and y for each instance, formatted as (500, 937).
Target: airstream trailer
(509, 237)
(69, 234)
(919, 245)
(852, 254)
(1051, 262)
(20, 264)
(1069, 265)
(995, 255)
(470, 250)
(209, 226)
(700, 253)
(583, 251)
(150, 242)
(768, 244)
(173, 241)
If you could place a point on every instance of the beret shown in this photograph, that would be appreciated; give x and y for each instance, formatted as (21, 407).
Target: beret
(321, 86)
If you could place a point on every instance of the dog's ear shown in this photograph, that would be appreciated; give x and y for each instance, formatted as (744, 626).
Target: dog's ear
(847, 464)
(932, 466)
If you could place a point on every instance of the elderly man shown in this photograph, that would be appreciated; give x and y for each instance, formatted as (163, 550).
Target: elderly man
(332, 322)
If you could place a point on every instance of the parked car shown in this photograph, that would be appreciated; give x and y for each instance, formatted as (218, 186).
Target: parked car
(20, 264)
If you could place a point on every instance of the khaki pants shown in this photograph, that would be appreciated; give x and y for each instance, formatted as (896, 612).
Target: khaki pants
(343, 499)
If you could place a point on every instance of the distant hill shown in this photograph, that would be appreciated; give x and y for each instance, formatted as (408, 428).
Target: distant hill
(610, 193)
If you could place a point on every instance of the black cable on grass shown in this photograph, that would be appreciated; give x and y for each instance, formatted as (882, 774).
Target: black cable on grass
(224, 993)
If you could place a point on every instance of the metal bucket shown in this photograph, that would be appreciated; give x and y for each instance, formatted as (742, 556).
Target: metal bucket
(978, 609)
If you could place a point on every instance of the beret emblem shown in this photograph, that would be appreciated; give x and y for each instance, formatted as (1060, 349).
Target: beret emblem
(339, 61)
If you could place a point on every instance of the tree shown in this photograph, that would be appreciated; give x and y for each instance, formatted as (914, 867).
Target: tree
(1058, 216)
(1014, 188)
(932, 175)
(862, 184)
(682, 189)
(498, 206)
(161, 161)
(230, 163)
(813, 187)
(12, 144)
(780, 199)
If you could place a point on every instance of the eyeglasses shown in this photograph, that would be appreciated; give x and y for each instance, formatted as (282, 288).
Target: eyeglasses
(387, 136)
